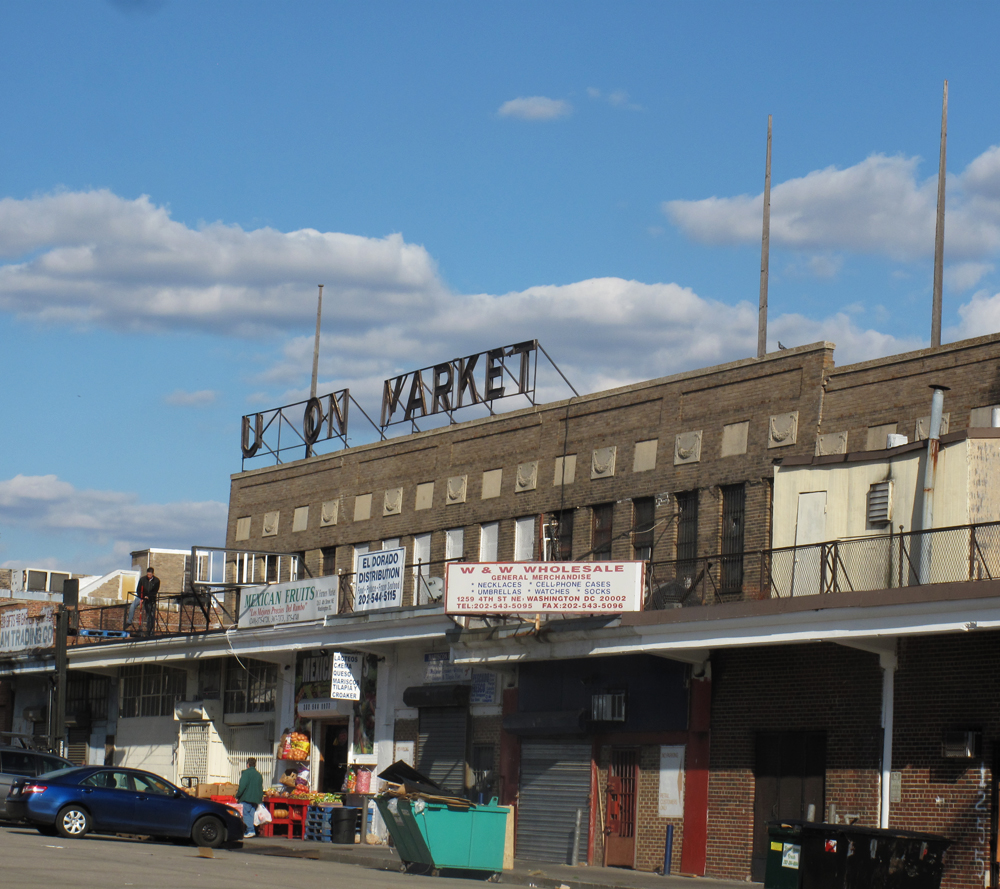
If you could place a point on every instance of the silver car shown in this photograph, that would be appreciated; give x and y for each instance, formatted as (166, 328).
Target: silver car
(21, 762)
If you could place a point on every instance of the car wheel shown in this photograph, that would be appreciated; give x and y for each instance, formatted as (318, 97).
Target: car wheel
(72, 822)
(208, 831)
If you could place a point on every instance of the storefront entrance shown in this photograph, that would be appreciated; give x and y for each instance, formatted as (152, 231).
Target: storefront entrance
(334, 742)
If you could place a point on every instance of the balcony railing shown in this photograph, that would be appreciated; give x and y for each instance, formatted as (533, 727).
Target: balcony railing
(886, 561)
(214, 602)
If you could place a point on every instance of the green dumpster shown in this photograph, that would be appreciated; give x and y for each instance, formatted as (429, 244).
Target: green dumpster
(446, 837)
(783, 855)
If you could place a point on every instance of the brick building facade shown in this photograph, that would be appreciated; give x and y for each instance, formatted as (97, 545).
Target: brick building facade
(775, 696)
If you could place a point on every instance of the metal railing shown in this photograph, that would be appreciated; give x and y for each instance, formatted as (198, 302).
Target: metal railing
(214, 605)
(886, 561)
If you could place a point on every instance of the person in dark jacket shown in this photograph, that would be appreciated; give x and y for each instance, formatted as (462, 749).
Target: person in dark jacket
(146, 592)
(250, 794)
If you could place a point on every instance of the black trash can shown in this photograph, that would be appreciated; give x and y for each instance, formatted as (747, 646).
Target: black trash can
(842, 856)
(343, 824)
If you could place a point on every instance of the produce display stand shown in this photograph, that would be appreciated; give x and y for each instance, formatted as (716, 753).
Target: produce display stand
(294, 823)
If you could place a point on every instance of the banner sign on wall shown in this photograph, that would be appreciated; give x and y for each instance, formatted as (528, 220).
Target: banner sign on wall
(291, 602)
(544, 587)
(671, 802)
(18, 632)
(345, 684)
(378, 579)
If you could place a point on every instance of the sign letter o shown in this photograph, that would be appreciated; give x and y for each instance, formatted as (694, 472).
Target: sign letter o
(312, 420)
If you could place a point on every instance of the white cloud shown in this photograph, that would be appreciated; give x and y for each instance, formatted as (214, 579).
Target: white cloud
(108, 518)
(602, 332)
(201, 398)
(535, 108)
(93, 257)
(979, 316)
(964, 276)
(875, 207)
(616, 98)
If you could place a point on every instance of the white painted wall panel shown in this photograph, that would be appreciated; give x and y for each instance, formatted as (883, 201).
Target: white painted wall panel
(148, 742)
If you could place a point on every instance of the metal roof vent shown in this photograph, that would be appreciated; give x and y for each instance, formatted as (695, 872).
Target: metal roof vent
(880, 503)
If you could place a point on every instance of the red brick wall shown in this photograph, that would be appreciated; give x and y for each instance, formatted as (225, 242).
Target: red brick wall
(818, 687)
(947, 682)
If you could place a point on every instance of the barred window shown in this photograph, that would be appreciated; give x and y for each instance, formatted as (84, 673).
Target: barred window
(251, 686)
(151, 690)
(87, 695)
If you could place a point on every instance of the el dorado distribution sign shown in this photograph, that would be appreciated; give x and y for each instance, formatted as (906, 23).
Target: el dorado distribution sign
(544, 587)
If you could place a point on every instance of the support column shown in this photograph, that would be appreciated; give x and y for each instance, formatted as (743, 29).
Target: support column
(888, 661)
(694, 849)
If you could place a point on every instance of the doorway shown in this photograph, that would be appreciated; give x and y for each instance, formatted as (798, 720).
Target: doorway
(789, 782)
(619, 839)
(334, 744)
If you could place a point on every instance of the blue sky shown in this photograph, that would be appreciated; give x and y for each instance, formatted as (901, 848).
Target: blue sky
(176, 178)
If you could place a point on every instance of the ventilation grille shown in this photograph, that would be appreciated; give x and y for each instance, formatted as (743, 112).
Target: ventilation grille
(880, 503)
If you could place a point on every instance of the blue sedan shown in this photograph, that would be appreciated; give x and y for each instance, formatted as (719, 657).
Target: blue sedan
(77, 801)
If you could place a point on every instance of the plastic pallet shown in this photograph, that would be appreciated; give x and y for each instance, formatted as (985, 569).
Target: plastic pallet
(319, 836)
(106, 634)
(319, 819)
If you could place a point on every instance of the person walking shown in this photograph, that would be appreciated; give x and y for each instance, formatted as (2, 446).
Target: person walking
(145, 593)
(250, 794)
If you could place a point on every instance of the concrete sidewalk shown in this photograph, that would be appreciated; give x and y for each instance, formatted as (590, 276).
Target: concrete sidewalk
(538, 874)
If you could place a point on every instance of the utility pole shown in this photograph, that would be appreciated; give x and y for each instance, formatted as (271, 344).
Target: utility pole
(939, 227)
(765, 249)
(315, 376)
(59, 722)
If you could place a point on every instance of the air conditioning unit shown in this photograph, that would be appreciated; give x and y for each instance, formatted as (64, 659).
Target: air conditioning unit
(961, 744)
(609, 707)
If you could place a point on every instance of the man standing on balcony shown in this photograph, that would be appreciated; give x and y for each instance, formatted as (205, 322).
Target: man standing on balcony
(146, 592)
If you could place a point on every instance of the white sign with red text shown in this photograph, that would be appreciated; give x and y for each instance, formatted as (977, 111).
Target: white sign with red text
(543, 587)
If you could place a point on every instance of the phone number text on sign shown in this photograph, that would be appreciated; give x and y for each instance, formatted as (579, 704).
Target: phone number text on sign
(544, 587)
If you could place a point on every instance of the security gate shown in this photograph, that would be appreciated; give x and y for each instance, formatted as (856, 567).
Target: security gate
(251, 740)
(623, 774)
(442, 736)
(555, 786)
(194, 750)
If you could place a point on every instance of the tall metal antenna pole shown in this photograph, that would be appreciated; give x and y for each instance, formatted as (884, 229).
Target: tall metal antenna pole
(939, 228)
(765, 249)
(319, 314)
(312, 388)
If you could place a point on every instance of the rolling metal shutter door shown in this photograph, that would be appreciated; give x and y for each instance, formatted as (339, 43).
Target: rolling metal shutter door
(555, 782)
(442, 746)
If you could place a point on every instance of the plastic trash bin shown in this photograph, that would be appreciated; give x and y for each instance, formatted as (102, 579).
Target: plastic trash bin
(841, 856)
(784, 854)
(446, 837)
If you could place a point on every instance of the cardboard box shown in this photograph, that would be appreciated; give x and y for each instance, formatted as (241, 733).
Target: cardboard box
(204, 791)
(227, 789)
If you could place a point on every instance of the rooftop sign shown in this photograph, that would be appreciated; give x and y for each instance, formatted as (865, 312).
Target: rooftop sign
(544, 587)
(18, 632)
(461, 382)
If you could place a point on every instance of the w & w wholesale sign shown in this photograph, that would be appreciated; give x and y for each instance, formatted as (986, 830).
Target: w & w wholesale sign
(544, 587)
